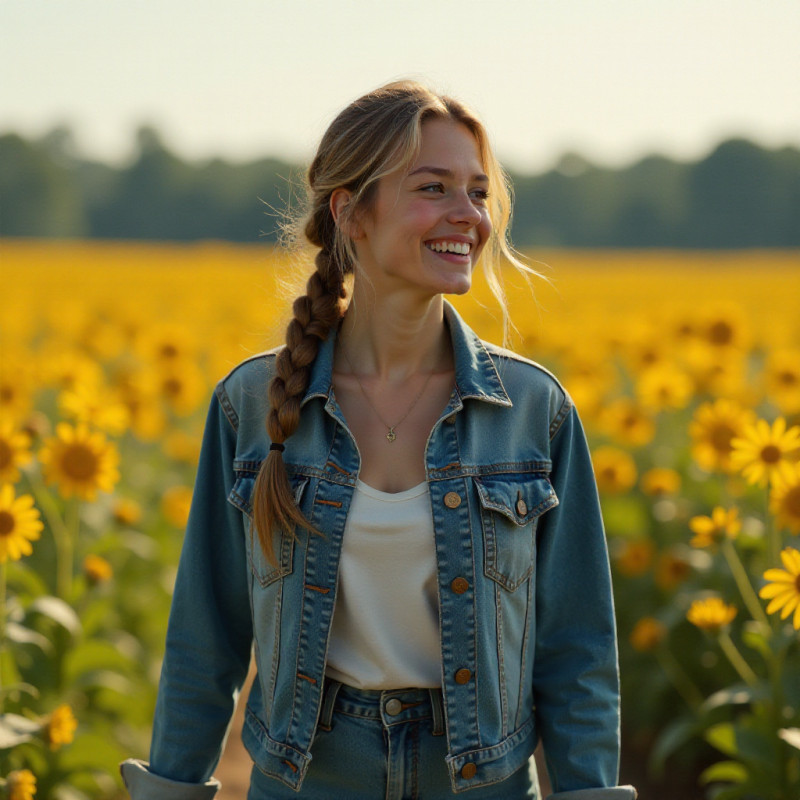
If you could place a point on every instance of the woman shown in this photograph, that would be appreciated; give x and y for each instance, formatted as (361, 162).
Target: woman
(432, 490)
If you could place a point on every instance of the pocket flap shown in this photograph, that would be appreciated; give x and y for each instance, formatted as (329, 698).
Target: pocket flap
(519, 497)
(241, 495)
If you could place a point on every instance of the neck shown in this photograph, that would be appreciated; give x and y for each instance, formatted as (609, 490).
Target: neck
(395, 337)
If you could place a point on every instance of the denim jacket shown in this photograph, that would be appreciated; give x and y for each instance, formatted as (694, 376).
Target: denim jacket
(515, 515)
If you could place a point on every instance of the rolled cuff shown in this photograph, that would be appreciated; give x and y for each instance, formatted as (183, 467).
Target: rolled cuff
(615, 793)
(145, 785)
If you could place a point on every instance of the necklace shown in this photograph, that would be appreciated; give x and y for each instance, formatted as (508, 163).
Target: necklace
(390, 435)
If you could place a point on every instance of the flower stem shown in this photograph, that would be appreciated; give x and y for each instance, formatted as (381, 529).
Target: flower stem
(684, 685)
(736, 659)
(743, 582)
(3, 611)
(773, 534)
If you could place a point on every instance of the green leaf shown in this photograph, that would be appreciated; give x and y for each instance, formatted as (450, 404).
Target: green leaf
(57, 610)
(729, 771)
(19, 634)
(91, 657)
(754, 636)
(15, 730)
(733, 695)
(723, 737)
(672, 737)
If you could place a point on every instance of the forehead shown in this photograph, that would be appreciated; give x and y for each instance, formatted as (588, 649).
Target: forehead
(447, 144)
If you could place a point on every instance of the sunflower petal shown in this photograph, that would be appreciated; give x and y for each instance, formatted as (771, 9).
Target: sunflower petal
(791, 560)
(773, 590)
(778, 576)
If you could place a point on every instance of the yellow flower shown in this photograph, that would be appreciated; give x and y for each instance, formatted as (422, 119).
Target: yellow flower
(725, 327)
(79, 461)
(785, 497)
(60, 728)
(175, 504)
(19, 524)
(126, 511)
(712, 530)
(21, 785)
(782, 378)
(14, 451)
(663, 387)
(783, 590)
(183, 386)
(635, 557)
(711, 615)
(671, 570)
(647, 634)
(97, 569)
(660, 481)
(626, 421)
(761, 449)
(16, 387)
(713, 428)
(95, 406)
(180, 446)
(614, 469)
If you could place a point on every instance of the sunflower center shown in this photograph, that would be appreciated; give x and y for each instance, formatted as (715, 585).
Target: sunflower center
(173, 387)
(770, 454)
(80, 463)
(721, 437)
(168, 350)
(6, 394)
(797, 583)
(787, 378)
(6, 523)
(720, 333)
(5, 454)
(791, 502)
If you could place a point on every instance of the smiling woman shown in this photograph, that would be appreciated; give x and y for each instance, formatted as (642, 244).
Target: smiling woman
(400, 518)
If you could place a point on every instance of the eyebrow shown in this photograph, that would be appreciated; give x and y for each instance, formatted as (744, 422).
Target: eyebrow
(446, 173)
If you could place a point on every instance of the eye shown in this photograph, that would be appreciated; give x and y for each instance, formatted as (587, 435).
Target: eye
(480, 194)
(436, 187)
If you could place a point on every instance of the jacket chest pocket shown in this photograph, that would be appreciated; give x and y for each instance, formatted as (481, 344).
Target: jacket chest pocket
(511, 505)
(241, 496)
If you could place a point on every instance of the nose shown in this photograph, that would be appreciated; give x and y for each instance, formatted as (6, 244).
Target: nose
(464, 210)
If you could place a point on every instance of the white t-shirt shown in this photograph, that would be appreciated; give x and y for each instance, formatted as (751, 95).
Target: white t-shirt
(385, 629)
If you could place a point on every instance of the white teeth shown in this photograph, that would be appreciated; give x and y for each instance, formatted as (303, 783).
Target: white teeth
(461, 248)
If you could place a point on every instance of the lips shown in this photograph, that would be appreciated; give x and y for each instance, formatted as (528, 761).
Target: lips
(450, 246)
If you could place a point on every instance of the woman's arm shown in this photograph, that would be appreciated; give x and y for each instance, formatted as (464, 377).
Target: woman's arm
(576, 674)
(209, 636)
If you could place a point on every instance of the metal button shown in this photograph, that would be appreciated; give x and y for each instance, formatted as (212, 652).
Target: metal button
(459, 585)
(394, 707)
(468, 770)
(522, 508)
(452, 500)
(463, 676)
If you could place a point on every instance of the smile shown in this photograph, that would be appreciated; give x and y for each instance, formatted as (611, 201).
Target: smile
(460, 248)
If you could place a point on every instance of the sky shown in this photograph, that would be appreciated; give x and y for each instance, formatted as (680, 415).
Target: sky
(613, 80)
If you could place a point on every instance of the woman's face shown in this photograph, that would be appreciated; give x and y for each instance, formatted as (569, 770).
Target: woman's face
(429, 221)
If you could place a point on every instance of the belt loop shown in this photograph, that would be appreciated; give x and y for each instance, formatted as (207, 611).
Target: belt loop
(438, 711)
(326, 715)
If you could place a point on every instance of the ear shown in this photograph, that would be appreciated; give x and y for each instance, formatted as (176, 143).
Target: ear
(340, 200)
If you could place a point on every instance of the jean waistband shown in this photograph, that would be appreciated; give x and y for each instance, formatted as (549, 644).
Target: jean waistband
(391, 706)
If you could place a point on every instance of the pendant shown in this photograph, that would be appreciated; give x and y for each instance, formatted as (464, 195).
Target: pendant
(391, 436)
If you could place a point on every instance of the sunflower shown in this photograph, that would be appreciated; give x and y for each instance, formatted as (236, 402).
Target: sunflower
(614, 469)
(94, 405)
(783, 590)
(785, 497)
(671, 570)
(711, 615)
(21, 785)
(175, 505)
(183, 386)
(60, 727)
(19, 524)
(79, 461)
(126, 511)
(760, 449)
(782, 377)
(710, 531)
(14, 451)
(647, 634)
(626, 421)
(635, 557)
(713, 428)
(659, 481)
(664, 387)
(97, 569)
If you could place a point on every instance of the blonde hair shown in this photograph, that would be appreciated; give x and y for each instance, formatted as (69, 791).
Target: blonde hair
(371, 138)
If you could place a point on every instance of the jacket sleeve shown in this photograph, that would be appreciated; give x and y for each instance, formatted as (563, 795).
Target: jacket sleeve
(209, 636)
(576, 673)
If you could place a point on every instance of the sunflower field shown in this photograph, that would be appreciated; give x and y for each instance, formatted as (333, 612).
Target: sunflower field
(685, 368)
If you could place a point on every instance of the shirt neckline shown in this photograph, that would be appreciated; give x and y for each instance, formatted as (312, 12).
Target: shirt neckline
(391, 497)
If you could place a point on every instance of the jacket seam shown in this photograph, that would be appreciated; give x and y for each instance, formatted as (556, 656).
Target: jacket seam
(562, 414)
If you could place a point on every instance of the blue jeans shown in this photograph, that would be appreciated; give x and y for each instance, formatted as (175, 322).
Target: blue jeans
(382, 745)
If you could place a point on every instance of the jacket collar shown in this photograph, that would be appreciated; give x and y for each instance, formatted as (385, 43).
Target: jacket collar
(476, 374)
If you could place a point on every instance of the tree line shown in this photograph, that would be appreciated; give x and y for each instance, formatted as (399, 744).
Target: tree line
(740, 195)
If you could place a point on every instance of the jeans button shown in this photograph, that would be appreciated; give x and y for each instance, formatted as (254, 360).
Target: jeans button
(468, 770)
(452, 500)
(463, 676)
(394, 707)
(459, 585)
